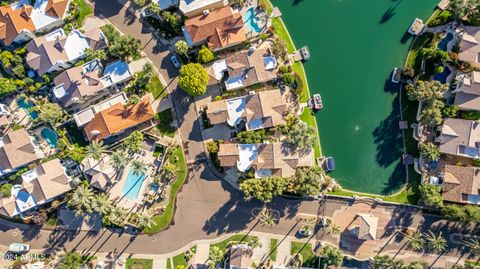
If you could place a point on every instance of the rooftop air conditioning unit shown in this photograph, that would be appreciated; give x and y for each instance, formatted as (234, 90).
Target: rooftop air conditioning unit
(251, 93)
(206, 12)
(95, 132)
(75, 99)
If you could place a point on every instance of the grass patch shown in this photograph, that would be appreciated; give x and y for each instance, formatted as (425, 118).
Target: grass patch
(156, 88)
(309, 258)
(282, 32)
(414, 58)
(273, 249)
(83, 10)
(165, 127)
(182, 259)
(235, 238)
(308, 117)
(162, 221)
(139, 264)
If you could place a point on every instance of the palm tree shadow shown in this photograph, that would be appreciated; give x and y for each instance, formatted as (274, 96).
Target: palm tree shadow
(390, 12)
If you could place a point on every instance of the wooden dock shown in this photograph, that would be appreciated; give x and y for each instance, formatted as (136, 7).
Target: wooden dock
(303, 54)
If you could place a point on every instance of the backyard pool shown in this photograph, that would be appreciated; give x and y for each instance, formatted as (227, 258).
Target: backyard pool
(250, 20)
(132, 185)
(27, 105)
(50, 136)
(442, 45)
(442, 77)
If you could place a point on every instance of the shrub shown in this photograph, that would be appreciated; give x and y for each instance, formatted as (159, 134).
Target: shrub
(283, 69)
(408, 71)
(288, 79)
(7, 86)
(450, 111)
(6, 190)
(193, 79)
(439, 69)
(252, 136)
(205, 55)
(300, 84)
(212, 147)
(110, 32)
(470, 115)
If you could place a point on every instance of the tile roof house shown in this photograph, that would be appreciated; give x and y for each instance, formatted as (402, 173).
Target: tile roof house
(366, 228)
(263, 109)
(17, 149)
(39, 186)
(20, 21)
(460, 137)
(100, 173)
(113, 117)
(243, 69)
(5, 118)
(277, 159)
(240, 257)
(461, 184)
(57, 51)
(219, 29)
(467, 91)
(192, 8)
(77, 87)
(470, 46)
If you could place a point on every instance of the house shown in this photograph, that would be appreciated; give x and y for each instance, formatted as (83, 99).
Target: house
(366, 226)
(192, 8)
(100, 172)
(470, 46)
(57, 51)
(243, 69)
(39, 186)
(20, 21)
(5, 118)
(275, 159)
(460, 137)
(77, 87)
(461, 184)
(114, 117)
(260, 110)
(17, 149)
(219, 29)
(240, 257)
(467, 91)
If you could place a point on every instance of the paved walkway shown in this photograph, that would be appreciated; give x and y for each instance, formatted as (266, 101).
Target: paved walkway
(283, 251)
(201, 256)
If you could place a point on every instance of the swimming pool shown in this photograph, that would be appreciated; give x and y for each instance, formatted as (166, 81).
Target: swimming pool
(442, 45)
(442, 77)
(251, 21)
(27, 106)
(50, 135)
(132, 185)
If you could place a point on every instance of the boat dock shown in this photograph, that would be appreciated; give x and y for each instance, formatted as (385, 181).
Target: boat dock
(303, 54)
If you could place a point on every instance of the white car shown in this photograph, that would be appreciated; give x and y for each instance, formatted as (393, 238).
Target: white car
(100, 265)
(175, 61)
(18, 248)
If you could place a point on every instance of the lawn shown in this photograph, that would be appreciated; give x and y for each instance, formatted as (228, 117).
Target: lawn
(162, 221)
(309, 258)
(420, 42)
(139, 264)
(156, 88)
(236, 238)
(273, 249)
(181, 259)
(84, 9)
(165, 127)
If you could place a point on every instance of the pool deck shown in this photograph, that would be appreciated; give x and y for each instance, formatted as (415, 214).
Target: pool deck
(116, 192)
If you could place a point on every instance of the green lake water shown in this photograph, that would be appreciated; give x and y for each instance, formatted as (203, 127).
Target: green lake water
(354, 46)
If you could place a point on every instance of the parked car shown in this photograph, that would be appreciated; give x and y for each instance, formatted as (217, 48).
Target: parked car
(18, 248)
(305, 231)
(175, 61)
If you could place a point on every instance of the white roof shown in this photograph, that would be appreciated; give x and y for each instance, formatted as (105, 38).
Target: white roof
(75, 45)
(235, 109)
(23, 200)
(190, 5)
(219, 67)
(116, 73)
(59, 91)
(39, 17)
(234, 83)
(270, 62)
(86, 115)
(4, 110)
(247, 154)
(53, 35)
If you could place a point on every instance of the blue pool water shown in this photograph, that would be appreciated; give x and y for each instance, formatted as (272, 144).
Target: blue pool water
(132, 185)
(49, 135)
(250, 22)
(27, 105)
(442, 45)
(442, 77)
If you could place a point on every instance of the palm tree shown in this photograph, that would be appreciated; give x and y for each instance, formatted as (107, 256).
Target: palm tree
(382, 261)
(117, 215)
(474, 245)
(436, 242)
(334, 229)
(266, 218)
(215, 256)
(139, 167)
(146, 221)
(81, 199)
(101, 204)
(118, 160)
(416, 241)
(154, 7)
(96, 150)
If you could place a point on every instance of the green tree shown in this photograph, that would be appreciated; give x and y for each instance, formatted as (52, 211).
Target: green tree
(6, 190)
(110, 32)
(266, 218)
(432, 113)
(382, 262)
(205, 55)
(426, 90)
(75, 152)
(436, 243)
(308, 181)
(193, 79)
(146, 220)
(95, 54)
(301, 135)
(170, 170)
(117, 215)
(118, 160)
(288, 79)
(125, 47)
(416, 241)
(215, 256)
(474, 247)
(264, 189)
(450, 111)
(430, 195)
(279, 48)
(171, 19)
(50, 113)
(181, 47)
(429, 151)
(333, 228)
(331, 256)
(71, 260)
(139, 167)
(7, 87)
(96, 149)
(81, 200)
(133, 143)
(435, 55)
(101, 204)
(142, 78)
(252, 136)
(464, 9)
(212, 147)
(154, 6)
